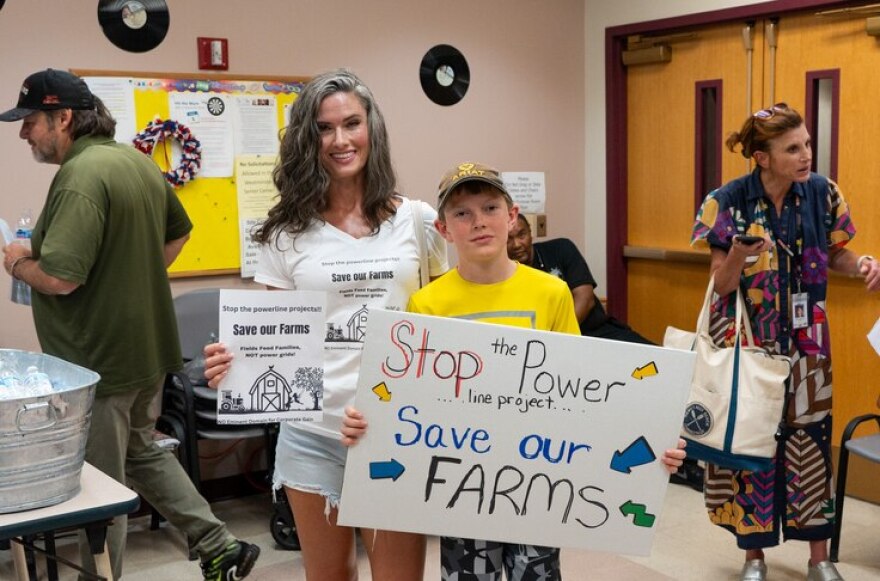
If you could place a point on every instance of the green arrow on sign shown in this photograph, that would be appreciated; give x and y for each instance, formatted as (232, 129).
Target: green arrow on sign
(641, 518)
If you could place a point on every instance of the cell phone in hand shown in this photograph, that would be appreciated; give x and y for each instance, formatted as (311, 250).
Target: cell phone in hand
(749, 240)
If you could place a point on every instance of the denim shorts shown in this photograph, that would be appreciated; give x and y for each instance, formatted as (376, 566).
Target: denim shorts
(310, 463)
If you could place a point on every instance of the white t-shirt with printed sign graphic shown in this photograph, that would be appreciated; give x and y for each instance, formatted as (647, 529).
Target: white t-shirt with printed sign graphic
(358, 274)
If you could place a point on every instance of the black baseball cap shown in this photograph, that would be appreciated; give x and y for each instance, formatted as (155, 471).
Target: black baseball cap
(50, 90)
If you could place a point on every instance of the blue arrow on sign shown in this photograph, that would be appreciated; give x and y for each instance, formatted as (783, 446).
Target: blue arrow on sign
(636, 454)
(392, 469)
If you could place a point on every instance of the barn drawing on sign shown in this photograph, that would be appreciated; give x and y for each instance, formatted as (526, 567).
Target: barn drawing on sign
(352, 331)
(357, 325)
(271, 392)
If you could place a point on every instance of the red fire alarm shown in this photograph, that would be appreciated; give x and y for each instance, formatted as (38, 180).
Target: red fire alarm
(213, 53)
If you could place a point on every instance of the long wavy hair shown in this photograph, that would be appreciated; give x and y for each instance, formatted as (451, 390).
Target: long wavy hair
(303, 182)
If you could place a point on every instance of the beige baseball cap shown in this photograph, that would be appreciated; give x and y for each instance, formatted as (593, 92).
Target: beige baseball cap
(469, 172)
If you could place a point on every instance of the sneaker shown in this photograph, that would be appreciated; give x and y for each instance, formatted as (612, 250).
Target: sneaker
(754, 570)
(232, 563)
(823, 571)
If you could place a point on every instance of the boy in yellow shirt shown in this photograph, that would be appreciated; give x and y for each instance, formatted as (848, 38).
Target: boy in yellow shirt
(475, 213)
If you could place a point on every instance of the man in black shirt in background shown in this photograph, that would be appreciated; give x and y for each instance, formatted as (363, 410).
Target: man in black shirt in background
(561, 258)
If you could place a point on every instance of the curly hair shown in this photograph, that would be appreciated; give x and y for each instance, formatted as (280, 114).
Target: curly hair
(303, 182)
(762, 126)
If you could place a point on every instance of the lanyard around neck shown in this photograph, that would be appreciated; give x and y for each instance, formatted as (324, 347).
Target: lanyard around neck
(792, 252)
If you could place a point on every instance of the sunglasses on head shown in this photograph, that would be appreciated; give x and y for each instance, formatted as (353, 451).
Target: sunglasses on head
(770, 111)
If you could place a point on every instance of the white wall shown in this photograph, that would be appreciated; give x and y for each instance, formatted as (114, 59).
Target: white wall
(524, 109)
(599, 15)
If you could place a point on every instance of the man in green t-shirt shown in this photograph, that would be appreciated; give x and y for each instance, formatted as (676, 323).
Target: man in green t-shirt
(110, 227)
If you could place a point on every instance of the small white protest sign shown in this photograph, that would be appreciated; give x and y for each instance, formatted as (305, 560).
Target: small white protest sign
(508, 434)
(277, 338)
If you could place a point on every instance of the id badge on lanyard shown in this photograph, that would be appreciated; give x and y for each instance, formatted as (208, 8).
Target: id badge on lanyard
(800, 301)
(799, 306)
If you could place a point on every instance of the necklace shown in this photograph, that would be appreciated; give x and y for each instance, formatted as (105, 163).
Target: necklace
(538, 261)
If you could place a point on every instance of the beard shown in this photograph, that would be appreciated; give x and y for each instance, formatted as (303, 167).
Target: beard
(47, 150)
(46, 153)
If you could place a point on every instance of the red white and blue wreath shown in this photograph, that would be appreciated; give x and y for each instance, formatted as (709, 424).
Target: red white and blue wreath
(191, 148)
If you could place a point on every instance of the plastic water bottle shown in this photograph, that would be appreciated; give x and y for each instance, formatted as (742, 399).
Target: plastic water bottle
(21, 291)
(36, 382)
(10, 387)
(7, 376)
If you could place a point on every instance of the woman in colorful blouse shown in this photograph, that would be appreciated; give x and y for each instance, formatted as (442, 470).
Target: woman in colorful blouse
(802, 223)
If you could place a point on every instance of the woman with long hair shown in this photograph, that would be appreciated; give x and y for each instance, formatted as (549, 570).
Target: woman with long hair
(338, 215)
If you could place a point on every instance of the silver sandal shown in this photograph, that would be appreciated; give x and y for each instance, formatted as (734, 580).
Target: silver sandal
(754, 570)
(823, 571)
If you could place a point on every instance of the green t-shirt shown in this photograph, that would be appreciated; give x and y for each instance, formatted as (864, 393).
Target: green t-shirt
(107, 217)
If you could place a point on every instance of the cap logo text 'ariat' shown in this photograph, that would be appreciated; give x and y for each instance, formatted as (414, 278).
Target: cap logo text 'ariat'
(467, 170)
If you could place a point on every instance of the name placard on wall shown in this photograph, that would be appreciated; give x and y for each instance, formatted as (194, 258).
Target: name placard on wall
(502, 433)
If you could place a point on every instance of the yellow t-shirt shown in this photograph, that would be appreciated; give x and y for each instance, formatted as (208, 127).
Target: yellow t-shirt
(530, 298)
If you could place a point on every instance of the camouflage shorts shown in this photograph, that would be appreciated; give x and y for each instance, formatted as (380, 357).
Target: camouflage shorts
(475, 560)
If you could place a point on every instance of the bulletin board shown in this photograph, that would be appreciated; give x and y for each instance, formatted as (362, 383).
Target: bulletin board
(215, 245)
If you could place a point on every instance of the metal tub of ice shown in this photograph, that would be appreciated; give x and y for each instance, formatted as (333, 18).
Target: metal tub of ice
(42, 431)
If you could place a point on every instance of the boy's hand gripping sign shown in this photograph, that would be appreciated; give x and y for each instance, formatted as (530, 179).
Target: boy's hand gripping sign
(508, 434)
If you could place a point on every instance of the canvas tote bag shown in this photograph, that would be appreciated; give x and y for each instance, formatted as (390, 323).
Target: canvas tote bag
(734, 413)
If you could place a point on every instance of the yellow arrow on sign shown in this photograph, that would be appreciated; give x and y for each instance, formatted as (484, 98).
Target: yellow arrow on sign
(382, 391)
(645, 371)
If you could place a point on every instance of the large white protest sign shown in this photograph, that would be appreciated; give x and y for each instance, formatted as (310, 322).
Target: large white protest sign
(277, 338)
(507, 434)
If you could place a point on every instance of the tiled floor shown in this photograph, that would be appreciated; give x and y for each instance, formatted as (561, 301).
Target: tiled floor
(686, 548)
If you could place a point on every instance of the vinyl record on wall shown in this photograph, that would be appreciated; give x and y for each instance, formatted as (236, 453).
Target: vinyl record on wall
(134, 25)
(2, 2)
(444, 74)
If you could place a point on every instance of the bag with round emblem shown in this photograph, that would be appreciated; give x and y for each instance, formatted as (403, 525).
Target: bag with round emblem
(734, 412)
